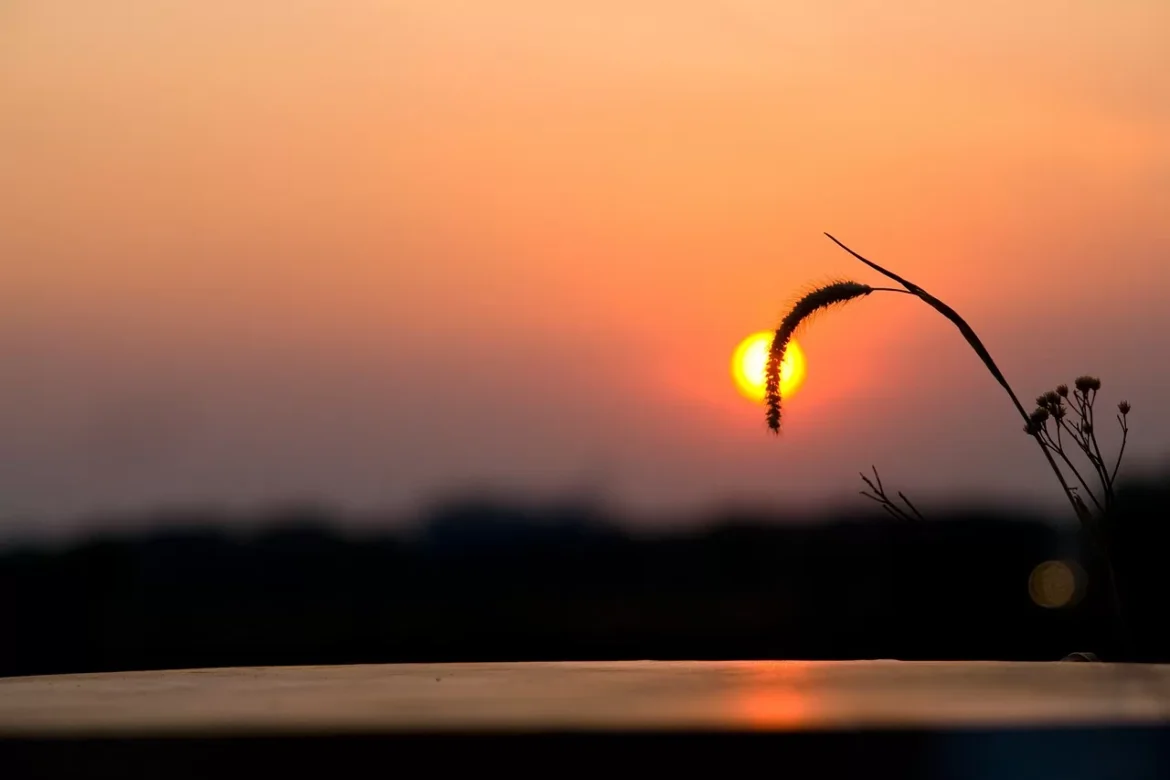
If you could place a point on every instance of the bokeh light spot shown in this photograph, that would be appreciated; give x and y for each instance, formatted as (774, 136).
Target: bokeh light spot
(1057, 584)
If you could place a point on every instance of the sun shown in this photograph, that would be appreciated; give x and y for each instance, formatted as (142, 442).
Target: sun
(749, 366)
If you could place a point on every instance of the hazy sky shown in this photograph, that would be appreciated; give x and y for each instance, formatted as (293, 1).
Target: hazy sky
(374, 253)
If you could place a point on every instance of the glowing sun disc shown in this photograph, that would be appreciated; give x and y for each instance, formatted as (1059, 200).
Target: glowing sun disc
(749, 367)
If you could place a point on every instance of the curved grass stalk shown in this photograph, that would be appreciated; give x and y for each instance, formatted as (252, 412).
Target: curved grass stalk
(977, 345)
(820, 298)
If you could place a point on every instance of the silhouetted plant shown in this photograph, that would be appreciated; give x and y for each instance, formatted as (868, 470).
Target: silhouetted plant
(877, 492)
(1059, 423)
(824, 297)
(1062, 421)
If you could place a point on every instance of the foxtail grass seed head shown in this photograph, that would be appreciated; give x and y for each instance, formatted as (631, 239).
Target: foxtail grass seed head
(824, 297)
(1124, 408)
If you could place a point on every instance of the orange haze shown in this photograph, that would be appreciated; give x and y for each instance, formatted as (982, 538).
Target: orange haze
(373, 252)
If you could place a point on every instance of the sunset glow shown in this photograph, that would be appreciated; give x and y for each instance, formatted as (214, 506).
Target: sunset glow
(240, 239)
(749, 367)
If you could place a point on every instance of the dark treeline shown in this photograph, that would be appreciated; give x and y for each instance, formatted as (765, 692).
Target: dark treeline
(485, 581)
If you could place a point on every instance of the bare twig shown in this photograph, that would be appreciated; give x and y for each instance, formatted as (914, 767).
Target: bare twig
(912, 507)
(879, 495)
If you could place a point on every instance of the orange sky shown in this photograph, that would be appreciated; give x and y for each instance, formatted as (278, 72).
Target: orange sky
(374, 252)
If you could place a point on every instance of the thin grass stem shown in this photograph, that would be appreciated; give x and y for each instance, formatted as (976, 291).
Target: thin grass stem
(1120, 452)
(977, 345)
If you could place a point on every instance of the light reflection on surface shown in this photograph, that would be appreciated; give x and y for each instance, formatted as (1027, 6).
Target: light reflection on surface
(774, 695)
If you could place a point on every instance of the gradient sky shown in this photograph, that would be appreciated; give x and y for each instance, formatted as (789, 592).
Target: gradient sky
(376, 253)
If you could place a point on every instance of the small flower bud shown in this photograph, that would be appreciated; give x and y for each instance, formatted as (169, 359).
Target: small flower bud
(1087, 383)
(1039, 417)
(1124, 408)
(1062, 391)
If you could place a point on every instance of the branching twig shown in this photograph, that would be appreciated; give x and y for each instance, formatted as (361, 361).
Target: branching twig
(879, 495)
(1059, 450)
(912, 507)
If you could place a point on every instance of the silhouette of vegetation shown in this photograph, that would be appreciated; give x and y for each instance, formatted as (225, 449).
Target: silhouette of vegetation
(1058, 416)
(1049, 424)
(877, 492)
(479, 581)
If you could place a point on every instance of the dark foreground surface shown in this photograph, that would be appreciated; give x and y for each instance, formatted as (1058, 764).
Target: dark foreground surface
(976, 754)
(855, 719)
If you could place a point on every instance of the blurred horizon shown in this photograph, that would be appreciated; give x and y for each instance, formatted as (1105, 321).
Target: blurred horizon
(499, 518)
(484, 580)
(376, 255)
